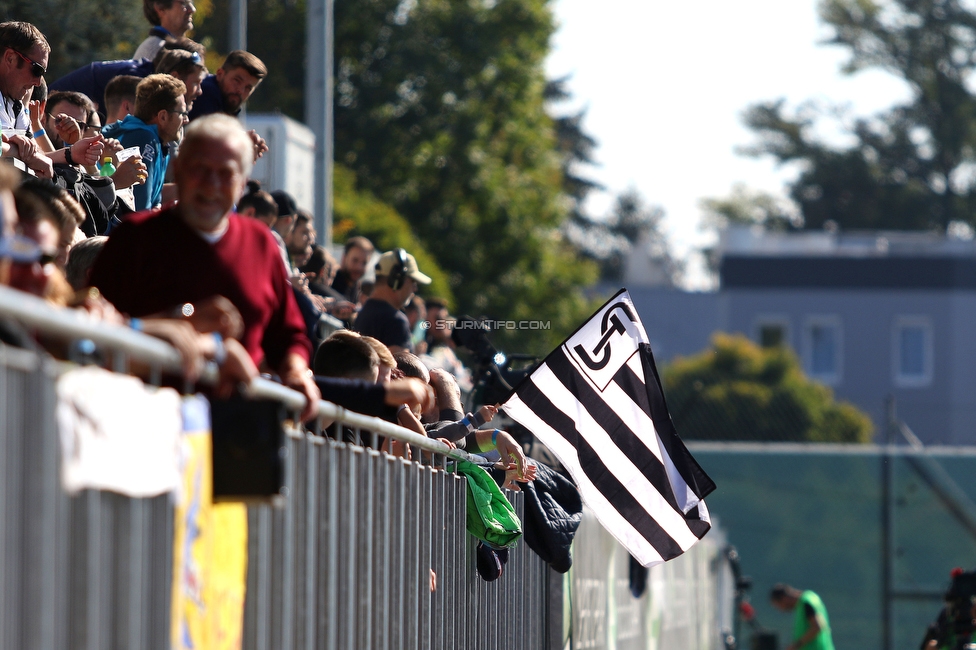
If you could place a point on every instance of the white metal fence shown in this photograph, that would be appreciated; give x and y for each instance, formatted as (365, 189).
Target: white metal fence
(344, 563)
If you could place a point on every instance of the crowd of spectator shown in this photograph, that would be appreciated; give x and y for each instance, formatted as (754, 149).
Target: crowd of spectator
(133, 202)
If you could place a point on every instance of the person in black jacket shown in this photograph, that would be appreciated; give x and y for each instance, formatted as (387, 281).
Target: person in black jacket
(553, 512)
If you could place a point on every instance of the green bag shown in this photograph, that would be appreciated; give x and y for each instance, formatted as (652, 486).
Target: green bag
(491, 518)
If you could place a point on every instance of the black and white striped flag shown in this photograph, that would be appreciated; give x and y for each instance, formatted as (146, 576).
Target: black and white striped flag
(596, 402)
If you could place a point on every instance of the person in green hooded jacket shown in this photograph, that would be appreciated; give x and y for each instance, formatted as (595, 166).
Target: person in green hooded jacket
(811, 627)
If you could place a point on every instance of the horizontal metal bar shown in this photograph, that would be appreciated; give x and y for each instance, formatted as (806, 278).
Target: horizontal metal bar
(72, 324)
(920, 593)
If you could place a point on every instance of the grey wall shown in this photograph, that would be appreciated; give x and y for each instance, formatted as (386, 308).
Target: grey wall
(942, 412)
(677, 322)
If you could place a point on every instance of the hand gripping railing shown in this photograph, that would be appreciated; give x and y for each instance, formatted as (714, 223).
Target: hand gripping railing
(73, 324)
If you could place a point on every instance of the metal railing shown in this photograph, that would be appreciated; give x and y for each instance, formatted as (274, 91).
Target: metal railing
(126, 343)
(345, 563)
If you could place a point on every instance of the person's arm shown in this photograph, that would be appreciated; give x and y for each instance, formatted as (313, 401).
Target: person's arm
(213, 314)
(141, 195)
(446, 390)
(260, 146)
(84, 152)
(234, 364)
(378, 400)
(294, 374)
(813, 629)
(36, 110)
(512, 456)
(24, 148)
(130, 172)
(450, 430)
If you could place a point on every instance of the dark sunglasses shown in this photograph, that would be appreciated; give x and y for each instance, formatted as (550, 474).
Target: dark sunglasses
(36, 68)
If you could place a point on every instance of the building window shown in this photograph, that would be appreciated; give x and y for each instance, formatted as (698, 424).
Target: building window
(822, 354)
(772, 332)
(912, 351)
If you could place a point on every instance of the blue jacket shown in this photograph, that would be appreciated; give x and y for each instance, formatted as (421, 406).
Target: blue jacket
(91, 79)
(210, 101)
(133, 132)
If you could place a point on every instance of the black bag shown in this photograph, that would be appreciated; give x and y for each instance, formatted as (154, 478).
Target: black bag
(248, 449)
(82, 187)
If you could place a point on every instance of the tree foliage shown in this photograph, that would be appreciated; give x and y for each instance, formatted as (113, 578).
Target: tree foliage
(631, 223)
(747, 207)
(360, 213)
(739, 391)
(910, 167)
(440, 112)
(575, 147)
(82, 31)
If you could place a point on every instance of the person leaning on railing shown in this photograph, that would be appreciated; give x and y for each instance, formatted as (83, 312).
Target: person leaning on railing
(347, 359)
(444, 419)
(184, 255)
(28, 252)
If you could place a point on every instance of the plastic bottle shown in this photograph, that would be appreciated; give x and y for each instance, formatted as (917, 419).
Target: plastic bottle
(106, 168)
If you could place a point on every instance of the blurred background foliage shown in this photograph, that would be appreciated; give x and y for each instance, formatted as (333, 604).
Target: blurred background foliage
(737, 390)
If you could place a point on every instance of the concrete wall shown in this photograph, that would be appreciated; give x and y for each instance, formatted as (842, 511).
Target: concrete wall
(940, 411)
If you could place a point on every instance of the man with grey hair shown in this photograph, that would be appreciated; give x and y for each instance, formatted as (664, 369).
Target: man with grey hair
(168, 261)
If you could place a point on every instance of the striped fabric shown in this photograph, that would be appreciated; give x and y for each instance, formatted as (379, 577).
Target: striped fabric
(596, 403)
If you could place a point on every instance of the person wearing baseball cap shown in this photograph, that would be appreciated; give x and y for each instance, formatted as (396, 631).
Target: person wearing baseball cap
(397, 279)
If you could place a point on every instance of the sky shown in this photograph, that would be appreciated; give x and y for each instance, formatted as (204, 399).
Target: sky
(664, 85)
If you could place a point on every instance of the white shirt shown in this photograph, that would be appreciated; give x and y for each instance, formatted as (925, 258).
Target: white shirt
(11, 120)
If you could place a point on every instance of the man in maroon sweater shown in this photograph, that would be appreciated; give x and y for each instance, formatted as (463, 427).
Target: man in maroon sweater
(165, 261)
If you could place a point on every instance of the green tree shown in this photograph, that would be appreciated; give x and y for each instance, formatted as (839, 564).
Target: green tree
(82, 31)
(440, 112)
(739, 391)
(610, 240)
(908, 168)
(576, 148)
(361, 213)
(748, 207)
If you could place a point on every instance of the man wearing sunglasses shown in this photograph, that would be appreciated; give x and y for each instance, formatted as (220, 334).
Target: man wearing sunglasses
(23, 61)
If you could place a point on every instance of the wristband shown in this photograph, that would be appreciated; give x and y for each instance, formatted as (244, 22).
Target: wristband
(220, 350)
(136, 324)
(38, 133)
(494, 437)
(67, 156)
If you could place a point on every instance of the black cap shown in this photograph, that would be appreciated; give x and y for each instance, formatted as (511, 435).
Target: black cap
(286, 203)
